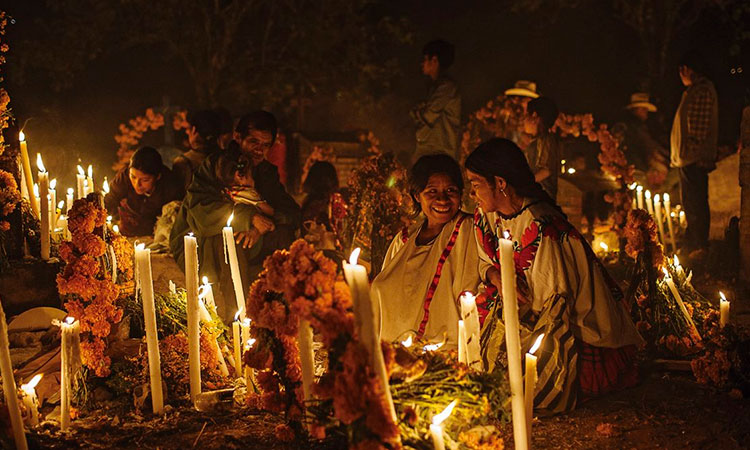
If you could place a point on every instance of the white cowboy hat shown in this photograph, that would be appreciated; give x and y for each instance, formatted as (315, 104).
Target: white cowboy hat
(523, 88)
(641, 100)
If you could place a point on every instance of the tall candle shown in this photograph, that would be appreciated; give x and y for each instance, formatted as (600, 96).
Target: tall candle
(26, 163)
(193, 314)
(230, 257)
(678, 299)
(659, 222)
(513, 341)
(68, 200)
(649, 204)
(208, 294)
(30, 399)
(237, 345)
(307, 363)
(470, 316)
(245, 329)
(9, 385)
(249, 373)
(70, 330)
(143, 265)
(530, 384)
(53, 204)
(44, 206)
(359, 285)
(462, 342)
(683, 220)
(639, 196)
(723, 310)
(35, 201)
(206, 317)
(80, 179)
(90, 179)
(670, 225)
(436, 427)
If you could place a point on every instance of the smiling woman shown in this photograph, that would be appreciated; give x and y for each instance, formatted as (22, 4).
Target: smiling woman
(428, 265)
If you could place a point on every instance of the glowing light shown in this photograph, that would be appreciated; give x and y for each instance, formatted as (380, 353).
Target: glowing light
(249, 344)
(140, 246)
(21, 136)
(237, 316)
(666, 197)
(246, 321)
(506, 234)
(229, 220)
(647, 194)
(676, 261)
(656, 198)
(571, 171)
(53, 184)
(723, 297)
(205, 280)
(60, 204)
(105, 186)
(604, 246)
(407, 342)
(29, 387)
(562, 161)
(116, 229)
(354, 256)
(433, 347)
(36, 189)
(536, 345)
(666, 272)
(639, 188)
(90, 171)
(69, 320)
(80, 171)
(633, 186)
(440, 418)
(39, 163)
(70, 191)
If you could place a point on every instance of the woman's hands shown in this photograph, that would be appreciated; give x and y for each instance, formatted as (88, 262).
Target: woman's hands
(247, 238)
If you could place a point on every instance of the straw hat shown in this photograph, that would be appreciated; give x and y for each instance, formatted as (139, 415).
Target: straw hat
(641, 100)
(523, 88)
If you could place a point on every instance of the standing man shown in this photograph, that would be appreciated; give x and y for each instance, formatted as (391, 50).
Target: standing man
(693, 147)
(438, 118)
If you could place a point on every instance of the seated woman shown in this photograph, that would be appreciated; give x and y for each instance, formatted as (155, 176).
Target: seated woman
(429, 265)
(563, 289)
(323, 208)
(138, 192)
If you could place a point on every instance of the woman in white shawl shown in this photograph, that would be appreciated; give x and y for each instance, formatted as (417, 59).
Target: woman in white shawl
(430, 264)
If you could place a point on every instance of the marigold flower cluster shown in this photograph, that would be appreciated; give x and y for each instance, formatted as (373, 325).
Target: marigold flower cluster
(124, 254)
(88, 291)
(640, 232)
(130, 134)
(4, 97)
(10, 197)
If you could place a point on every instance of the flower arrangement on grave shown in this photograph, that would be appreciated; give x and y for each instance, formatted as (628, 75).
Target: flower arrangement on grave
(85, 283)
(378, 204)
(725, 360)
(10, 197)
(5, 114)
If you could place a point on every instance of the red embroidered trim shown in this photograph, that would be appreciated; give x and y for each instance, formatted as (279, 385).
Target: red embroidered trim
(436, 279)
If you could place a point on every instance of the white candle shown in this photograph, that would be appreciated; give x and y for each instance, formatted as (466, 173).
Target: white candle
(58, 212)
(64, 226)
(30, 399)
(462, 342)
(307, 363)
(237, 345)
(678, 299)
(670, 225)
(43, 206)
(206, 317)
(683, 220)
(105, 187)
(470, 316)
(723, 310)
(513, 341)
(649, 204)
(436, 428)
(249, 373)
(9, 385)
(530, 384)
(26, 163)
(245, 329)
(36, 201)
(70, 330)
(80, 179)
(659, 222)
(230, 257)
(208, 294)
(143, 265)
(193, 314)
(68, 200)
(359, 285)
(90, 179)
(639, 195)
(53, 204)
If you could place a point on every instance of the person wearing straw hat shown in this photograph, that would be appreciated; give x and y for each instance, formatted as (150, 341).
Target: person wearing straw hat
(524, 89)
(522, 92)
(643, 151)
(439, 117)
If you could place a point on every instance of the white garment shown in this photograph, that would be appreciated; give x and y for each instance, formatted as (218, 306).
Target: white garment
(399, 290)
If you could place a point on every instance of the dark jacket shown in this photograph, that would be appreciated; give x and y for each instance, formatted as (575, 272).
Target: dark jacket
(138, 213)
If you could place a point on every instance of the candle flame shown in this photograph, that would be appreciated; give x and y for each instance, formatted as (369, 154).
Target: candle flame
(536, 345)
(70, 191)
(723, 297)
(90, 171)
(604, 246)
(116, 229)
(34, 381)
(39, 162)
(672, 214)
(237, 316)
(639, 188)
(69, 320)
(247, 321)
(80, 170)
(666, 272)
(354, 256)
(571, 171)
(656, 198)
(506, 234)
(21, 136)
(60, 204)
(229, 220)
(648, 193)
(666, 197)
(468, 295)
(633, 186)
(140, 246)
(249, 344)
(204, 280)
(407, 342)
(105, 186)
(53, 184)
(109, 218)
(562, 161)
(676, 261)
(433, 347)
(440, 418)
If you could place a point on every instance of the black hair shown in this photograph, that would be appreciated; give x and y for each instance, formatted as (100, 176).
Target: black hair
(231, 160)
(694, 61)
(444, 50)
(206, 123)
(257, 120)
(429, 165)
(546, 109)
(147, 160)
(502, 158)
(224, 120)
(322, 179)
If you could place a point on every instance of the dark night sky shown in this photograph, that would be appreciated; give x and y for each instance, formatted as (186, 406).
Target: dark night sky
(586, 60)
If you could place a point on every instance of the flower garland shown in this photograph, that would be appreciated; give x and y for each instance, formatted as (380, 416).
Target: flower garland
(10, 197)
(378, 204)
(302, 284)
(502, 117)
(86, 285)
(131, 133)
(5, 115)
